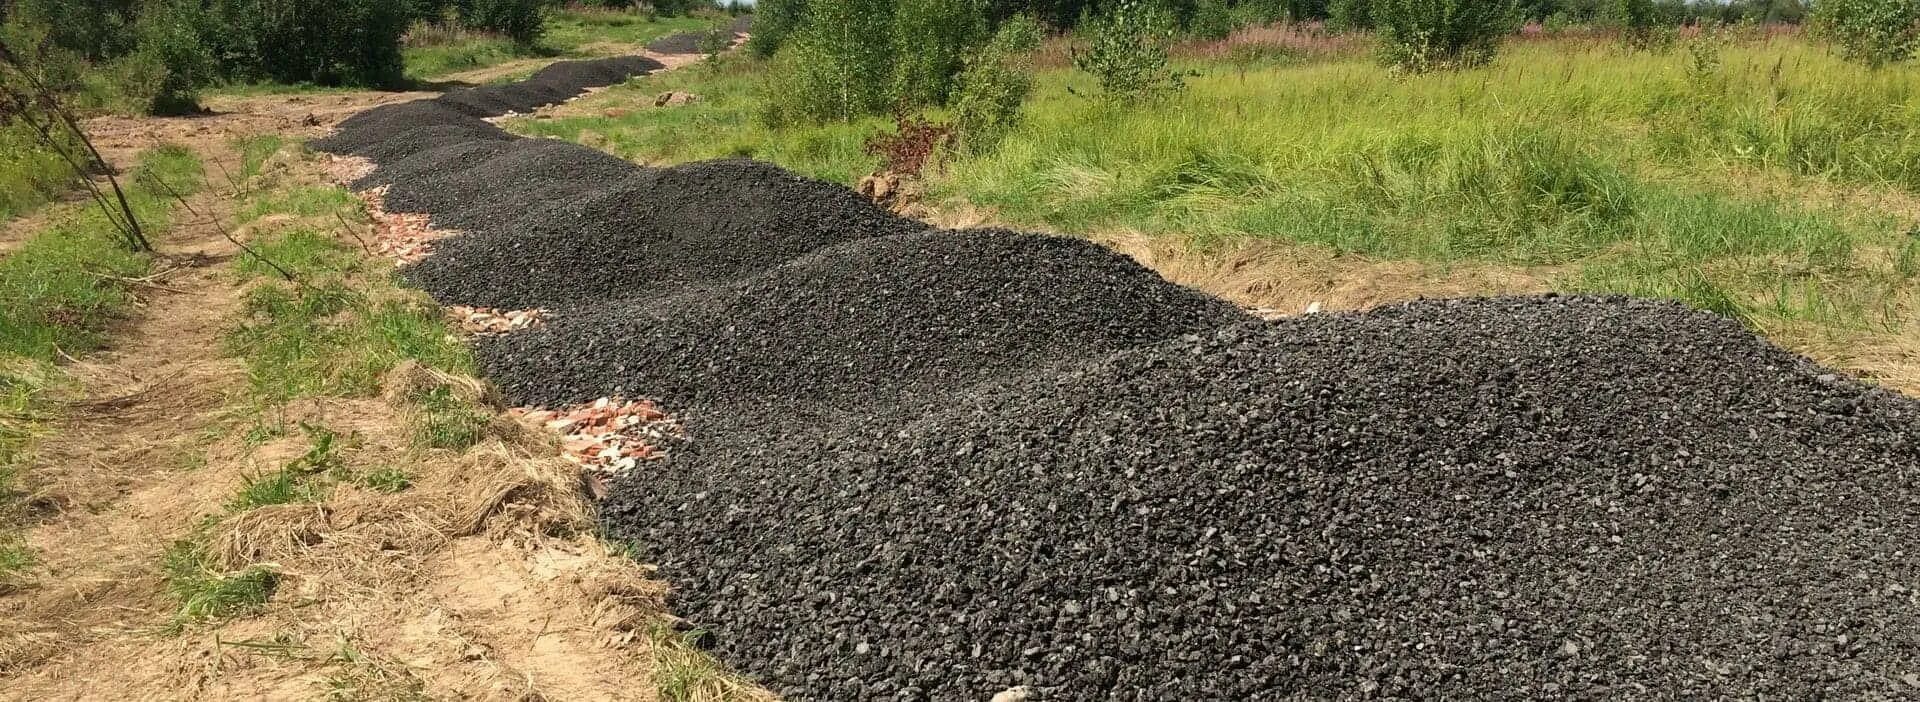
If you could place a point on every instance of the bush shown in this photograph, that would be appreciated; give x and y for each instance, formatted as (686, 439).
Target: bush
(837, 66)
(1128, 51)
(326, 42)
(523, 21)
(1639, 22)
(1212, 20)
(1874, 32)
(995, 82)
(1350, 15)
(935, 37)
(1424, 35)
(171, 60)
(774, 21)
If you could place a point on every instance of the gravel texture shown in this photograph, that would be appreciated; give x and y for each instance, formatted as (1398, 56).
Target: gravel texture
(1516, 498)
(689, 42)
(376, 131)
(873, 322)
(654, 233)
(525, 174)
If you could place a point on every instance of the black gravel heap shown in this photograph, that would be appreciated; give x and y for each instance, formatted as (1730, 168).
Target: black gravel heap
(689, 42)
(387, 131)
(862, 324)
(525, 174)
(654, 233)
(419, 139)
(1518, 498)
(437, 162)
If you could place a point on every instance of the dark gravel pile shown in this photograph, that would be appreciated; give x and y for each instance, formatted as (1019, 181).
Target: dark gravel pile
(679, 43)
(654, 233)
(385, 126)
(414, 141)
(1516, 498)
(868, 323)
(525, 174)
(377, 131)
(436, 162)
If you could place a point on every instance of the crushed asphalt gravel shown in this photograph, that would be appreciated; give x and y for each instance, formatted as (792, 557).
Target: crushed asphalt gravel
(861, 324)
(1481, 499)
(936, 465)
(655, 232)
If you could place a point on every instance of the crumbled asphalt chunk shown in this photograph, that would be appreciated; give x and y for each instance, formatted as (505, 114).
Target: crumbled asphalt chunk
(1513, 498)
(524, 174)
(413, 141)
(438, 162)
(654, 233)
(383, 127)
(872, 322)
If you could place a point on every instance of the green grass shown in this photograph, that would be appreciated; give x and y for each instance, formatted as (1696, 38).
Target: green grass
(30, 174)
(205, 592)
(389, 479)
(570, 33)
(1615, 171)
(57, 291)
(331, 334)
(723, 123)
(448, 421)
(254, 153)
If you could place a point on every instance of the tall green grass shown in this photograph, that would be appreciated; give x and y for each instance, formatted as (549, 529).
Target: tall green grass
(1624, 170)
(30, 174)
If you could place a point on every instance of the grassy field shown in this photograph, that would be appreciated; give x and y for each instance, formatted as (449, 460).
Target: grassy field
(1757, 176)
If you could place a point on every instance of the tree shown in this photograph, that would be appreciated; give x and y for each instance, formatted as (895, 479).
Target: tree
(1874, 32)
(1424, 35)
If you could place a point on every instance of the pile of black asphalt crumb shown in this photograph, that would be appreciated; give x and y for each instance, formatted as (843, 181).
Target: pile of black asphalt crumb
(381, 130)
(1514, 498)
(654, 233)
(525, 174)
(695, 42)
(864, 324)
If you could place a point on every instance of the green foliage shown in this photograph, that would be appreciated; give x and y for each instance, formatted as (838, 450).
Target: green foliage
(1127, 51)
(388, 479)
(995, 82)
(1423, 35)
(1349, 15)
(1211, 20)
(446, 421)
(933, 38)
(30, 173)
(57, 288)
(205, 592)
(837, 66)
(773, 22)
(522, 21)
(171, 58)
(323, 42)
(1873, 32)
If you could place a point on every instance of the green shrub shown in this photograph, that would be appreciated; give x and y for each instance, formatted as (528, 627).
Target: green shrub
(1425, 35)
(995, 82)
(325, 42)
(773, 22)
(1211, 20)
(836, 67)
(523, 21)
(1349, 15)
(171, 60)
(1127, 51)
(935, 37)
(1874, 32)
